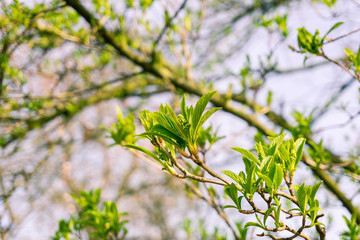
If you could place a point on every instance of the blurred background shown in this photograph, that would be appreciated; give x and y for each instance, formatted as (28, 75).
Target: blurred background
(62, 79)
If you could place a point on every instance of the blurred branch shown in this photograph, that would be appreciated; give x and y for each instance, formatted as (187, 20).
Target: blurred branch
(168, 24)
(332, 100)
(333, 187)
(79, 92)
(73, 106)
(344, 124)
(340, 65)
(299, 69)
(342, 36)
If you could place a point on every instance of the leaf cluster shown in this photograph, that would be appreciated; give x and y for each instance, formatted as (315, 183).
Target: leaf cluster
(123, 131)
(354, 59)
(182, 130)
(303, 128)
(275, 165)
(265, 174)
(101, 223)
(329, 3)
(279, 23)
(313, 43)
(353, 231)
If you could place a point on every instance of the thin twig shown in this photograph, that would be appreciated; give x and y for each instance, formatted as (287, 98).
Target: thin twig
(341, 125)
(340, 65)
(342, 36)
(186, 174)
(168, 24)
(199, 162)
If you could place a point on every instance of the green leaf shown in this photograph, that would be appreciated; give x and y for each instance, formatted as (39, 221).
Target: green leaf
(267, 213)
(302, 195)
(277, 216)
(299, 145)
(180, 128)
(242, 177)
(247, 154)
(147, 152)
(318, 223)
(171, 112)
(159, 128)
(206, 117)
(267, 180)
(315, 188)
(184, 109)
(151, 134)
(257, 217)
(349, 53)
(147, 120)
(253, 224)
(249, 181)
(265, 163)
(200, 107)
(260, 150)
(232, 192)
(314, 209)
(275, 143)
(187, 21)
(232, 175)
(229, 206)
(248, 164)
(167, 123)
(336, 25)
(283, 152)
(279, 174)
(272, 171)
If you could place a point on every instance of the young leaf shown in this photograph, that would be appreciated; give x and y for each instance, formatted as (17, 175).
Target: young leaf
(253, 224)
(314, 190)
(151, 134)
(279, 174)
(257, 217)
(232, 192)
(283, 152)
(265, 163)
(206, 117)
(314, 209)
(200, 107)
(159, 128)
(167, 123)
(260, 150)
(275, 143)
(298, 145)
(242, 177)
(302, 195)
(267, 180)
(146, 119)
(277, 216)
(336, 25)
(184, 109)
(229, 206)
(247, 154)
(267, 213)
(249, 181)
(232, 175)
(147, 152)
